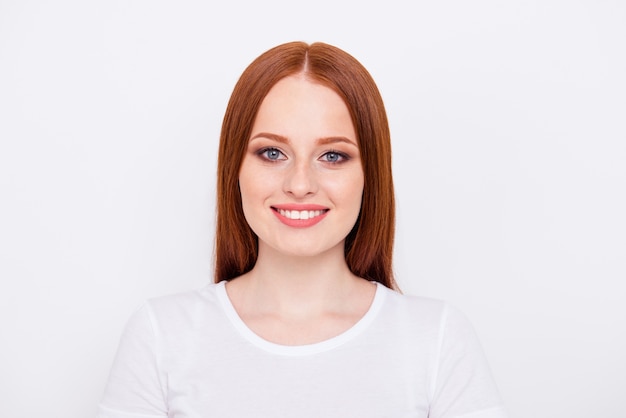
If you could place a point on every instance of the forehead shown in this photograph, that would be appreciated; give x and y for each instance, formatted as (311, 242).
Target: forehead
(296, 105)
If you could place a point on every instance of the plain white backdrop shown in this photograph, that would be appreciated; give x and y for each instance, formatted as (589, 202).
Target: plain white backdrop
(508, 124)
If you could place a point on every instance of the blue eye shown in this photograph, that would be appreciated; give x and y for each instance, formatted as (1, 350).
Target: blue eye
(271, 154)
(334, 157)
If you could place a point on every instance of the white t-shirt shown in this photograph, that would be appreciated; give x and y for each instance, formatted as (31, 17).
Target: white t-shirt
(191, 356)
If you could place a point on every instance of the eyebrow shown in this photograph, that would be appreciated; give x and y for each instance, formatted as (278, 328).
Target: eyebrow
(275, 137)
(320, 141)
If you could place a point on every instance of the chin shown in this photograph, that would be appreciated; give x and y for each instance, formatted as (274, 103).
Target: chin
(304, 250)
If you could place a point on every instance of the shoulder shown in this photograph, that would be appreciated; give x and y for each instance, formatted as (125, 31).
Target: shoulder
(425, 314)
(179, 311)
(460, 381)
(185, 301)
(416, 307)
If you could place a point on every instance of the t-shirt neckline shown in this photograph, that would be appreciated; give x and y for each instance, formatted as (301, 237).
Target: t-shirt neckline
(300, 350)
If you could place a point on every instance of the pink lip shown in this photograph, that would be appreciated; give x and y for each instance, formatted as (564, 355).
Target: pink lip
(299, 206)
(299, 223)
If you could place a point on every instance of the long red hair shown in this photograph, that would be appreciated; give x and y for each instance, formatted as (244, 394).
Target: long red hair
(369, 246)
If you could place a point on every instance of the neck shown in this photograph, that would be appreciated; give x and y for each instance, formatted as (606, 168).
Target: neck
(299, 285)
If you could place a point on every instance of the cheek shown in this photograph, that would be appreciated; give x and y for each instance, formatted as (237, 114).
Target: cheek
(249, 199)
(253, 182)
(348, 191)
(249, 193)
(247, 186)
(358, 187)
(255, 186)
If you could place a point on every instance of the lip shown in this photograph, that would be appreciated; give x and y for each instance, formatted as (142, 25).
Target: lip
(300, 223)
(299, 206)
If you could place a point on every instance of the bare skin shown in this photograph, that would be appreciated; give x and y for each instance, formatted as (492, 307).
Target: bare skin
(297, 302)
(302, 154)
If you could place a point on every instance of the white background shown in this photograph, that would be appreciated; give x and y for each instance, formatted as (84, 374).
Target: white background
(508, 121)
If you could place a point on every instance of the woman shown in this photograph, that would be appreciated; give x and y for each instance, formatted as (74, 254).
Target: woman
(302, 320)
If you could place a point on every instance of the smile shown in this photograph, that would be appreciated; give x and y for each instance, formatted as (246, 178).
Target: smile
(300, 217)
(301, 214)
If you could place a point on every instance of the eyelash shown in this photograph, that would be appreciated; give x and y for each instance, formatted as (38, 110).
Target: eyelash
(342, 157)
(263, 153)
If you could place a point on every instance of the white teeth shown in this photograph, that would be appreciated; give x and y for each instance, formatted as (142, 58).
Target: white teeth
(300, 214)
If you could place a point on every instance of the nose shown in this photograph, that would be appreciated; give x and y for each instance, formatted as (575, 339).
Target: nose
(300, 180)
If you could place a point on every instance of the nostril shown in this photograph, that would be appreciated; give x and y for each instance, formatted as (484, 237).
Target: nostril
(300, 181)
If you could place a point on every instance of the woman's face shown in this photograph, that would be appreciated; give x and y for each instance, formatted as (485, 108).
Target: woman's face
(301, 178)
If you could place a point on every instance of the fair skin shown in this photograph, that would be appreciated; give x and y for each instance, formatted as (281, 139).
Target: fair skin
(301, 184)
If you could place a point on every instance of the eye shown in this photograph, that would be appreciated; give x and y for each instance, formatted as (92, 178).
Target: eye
(334, 157)
(271, 154)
